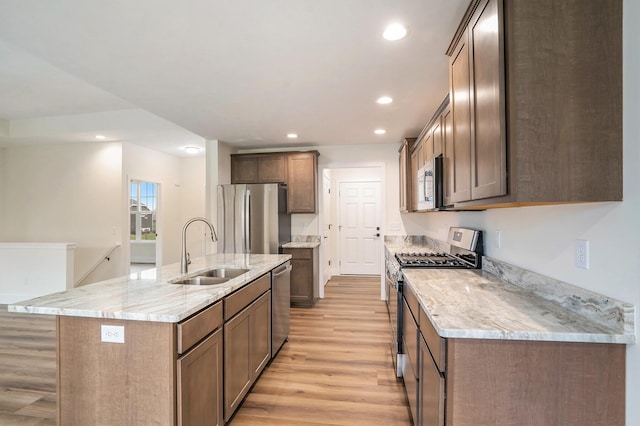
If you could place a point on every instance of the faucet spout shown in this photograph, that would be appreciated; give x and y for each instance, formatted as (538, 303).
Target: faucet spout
(184, 258)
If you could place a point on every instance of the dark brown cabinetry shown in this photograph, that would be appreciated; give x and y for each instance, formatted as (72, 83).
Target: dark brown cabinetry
(302, 181)
(406, 182)
(298, 169)
(258, 168)
(199, 377)
(464, 382)
(304, 276)
(410, 323)
(247, 340)
(536, 104)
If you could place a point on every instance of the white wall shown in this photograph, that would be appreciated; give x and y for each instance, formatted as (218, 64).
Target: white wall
(66, 193)
(363, 156)
(181, 197)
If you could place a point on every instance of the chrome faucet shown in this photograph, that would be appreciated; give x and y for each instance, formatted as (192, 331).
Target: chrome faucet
(185, 259)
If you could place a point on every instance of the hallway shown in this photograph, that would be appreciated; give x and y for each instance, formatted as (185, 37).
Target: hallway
(336, 368)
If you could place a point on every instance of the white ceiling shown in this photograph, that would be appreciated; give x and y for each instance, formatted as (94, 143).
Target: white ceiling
(167, 74)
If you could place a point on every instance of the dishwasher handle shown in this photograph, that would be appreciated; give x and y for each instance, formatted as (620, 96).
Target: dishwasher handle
(286, 270)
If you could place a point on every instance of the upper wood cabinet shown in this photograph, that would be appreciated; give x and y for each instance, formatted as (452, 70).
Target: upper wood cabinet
(302, 182)
(536, 104)
(406, 182)
(477, 105)
(258, 168)
(298, 169)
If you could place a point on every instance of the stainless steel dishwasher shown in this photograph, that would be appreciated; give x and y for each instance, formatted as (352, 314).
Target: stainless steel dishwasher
(280, 306)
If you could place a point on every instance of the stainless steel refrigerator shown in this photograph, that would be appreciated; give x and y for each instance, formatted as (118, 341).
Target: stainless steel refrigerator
(253, 218)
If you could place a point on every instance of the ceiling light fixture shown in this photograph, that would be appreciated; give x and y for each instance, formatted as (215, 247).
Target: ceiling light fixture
(380, 131)
(191, 149)
(101, 137)
(292, 135)
(394, 32)
(383, 100)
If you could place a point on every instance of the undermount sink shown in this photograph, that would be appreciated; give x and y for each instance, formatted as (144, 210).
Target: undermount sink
(201, 281)
(212, 277)
(227, 273)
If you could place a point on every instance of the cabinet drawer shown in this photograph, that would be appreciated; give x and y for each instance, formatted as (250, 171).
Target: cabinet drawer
(299, 253)
(237, 301)
(412, 301)
(193, 329)
(437, 345)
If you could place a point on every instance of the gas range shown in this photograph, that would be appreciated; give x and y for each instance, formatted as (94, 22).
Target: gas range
(465, 253)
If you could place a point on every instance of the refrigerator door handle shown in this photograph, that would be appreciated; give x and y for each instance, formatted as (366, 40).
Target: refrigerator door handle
(247, 223)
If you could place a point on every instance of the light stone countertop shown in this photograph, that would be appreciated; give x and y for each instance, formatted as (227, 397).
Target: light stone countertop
(148, 295)
(302, 244)
(503, 301)
(477, 304)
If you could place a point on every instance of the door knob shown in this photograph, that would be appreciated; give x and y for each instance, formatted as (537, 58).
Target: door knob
(376, 235)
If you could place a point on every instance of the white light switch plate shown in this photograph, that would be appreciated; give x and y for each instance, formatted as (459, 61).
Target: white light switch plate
(112, 333)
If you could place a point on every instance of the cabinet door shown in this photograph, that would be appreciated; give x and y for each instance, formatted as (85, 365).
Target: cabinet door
(413, 176)
(260, 348)
(437, 137)
(405, 188)
(460, 154)
(244, 169)
(238, 372)
(430, 390)
(410, 346)
(302, 182)
(272, 169)
(427, 147)
(301, 280)
(199, 383)
(447, 151)
(488, 148)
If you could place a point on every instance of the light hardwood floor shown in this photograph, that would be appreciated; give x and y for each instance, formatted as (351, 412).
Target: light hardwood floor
(27, 369)
(334, 370)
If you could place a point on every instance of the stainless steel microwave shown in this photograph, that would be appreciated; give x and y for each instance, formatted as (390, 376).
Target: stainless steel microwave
(430, 185)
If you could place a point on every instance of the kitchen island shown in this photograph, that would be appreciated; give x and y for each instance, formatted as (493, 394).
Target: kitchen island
(504, 346)
(141, 350)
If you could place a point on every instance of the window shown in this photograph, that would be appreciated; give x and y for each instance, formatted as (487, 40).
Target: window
(143, 204)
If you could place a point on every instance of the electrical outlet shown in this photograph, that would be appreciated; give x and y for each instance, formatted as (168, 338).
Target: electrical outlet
(498, 239)
(112, 333)
(582, 254)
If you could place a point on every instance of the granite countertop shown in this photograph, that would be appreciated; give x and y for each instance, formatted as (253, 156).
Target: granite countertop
(148, 295)
(502, 301)
(302, 244)
(479, 305)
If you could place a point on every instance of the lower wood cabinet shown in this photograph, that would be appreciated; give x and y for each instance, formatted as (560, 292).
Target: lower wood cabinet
(304, 276)
(247, 350)
(195, 372)
(469, 382)
(199, 377)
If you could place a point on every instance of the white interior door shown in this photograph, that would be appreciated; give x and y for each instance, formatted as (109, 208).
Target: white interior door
(359, 228)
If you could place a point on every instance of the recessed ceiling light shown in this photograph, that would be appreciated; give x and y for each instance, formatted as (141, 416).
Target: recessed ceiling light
(191, 149)
(380, 131)
(101, 137)
(383, 100)
(394, 32)
(292, 135)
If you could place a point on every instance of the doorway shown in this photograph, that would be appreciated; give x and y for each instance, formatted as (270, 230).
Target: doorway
(359, 228)
(143, 220)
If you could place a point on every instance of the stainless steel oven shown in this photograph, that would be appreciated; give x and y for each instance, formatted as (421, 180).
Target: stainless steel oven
(393, 284)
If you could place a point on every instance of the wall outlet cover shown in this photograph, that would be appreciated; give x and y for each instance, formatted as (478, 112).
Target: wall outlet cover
(112, 333)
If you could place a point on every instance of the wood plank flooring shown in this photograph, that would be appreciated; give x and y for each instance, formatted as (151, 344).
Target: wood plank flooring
(334, 370)
(27, 369)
